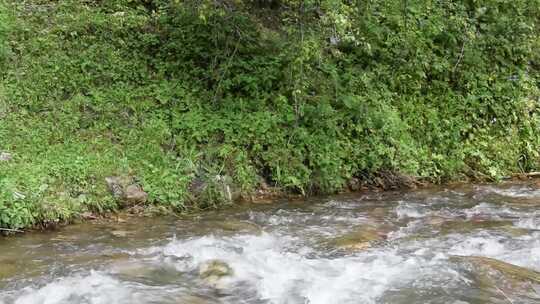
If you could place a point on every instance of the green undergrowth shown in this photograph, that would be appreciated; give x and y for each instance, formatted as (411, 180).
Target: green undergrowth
(299, 95)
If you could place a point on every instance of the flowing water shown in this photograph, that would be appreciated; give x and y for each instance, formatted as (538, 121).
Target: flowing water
(463, 244)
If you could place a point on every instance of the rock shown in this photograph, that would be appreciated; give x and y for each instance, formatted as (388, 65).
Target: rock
(237, 226)
(510, 282)
(358, 240)
(88, 215)
(126, 191)
(448, 227)
(507, 269)
(354, 184)
(134, 195)
(378, 212)
(212, 271)
(193, 300)
(5, 157)
(120, 233)
(515, 231)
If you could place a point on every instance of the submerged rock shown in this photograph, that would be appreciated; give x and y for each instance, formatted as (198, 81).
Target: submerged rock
(507, 269)
(193, 300)
(238, 226)
(211, 272)
(126, 191)
(511, 282)
(358, 240)
(457, 226)
(120, 233)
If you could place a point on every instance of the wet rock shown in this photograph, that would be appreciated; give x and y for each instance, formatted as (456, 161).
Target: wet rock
(5, 157)
(507, 269)
(378, 212)
(515, 231)
(126, 191)
(193, 300)
(238, 226)
(120, 233)
(211, 272)
(131, 269)
(510, 282)
(436, 220)
(358, 240)
(448, 227)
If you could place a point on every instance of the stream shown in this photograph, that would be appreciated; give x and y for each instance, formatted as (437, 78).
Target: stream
(454, 244)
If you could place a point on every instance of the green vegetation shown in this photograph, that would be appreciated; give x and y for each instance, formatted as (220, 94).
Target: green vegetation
(303, 95)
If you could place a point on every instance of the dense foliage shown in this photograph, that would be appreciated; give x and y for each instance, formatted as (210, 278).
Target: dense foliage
(302, 95)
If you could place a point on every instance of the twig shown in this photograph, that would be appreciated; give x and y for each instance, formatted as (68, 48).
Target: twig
(11, 230)
(530, 174)
(460, 57)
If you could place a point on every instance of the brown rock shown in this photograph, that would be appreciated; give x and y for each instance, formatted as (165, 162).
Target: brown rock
(126, 191)
(510, 282)
(470, 225)
(358, 240)
(134, 195)
(212, 272)
(354, 184)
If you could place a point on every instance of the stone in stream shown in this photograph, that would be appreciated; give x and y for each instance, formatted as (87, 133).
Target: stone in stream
(126, 191)
(120, 233)
(237, 226)
(511, 282)
(193, 300)
(212, 271)
(360, 239)
(461, 226)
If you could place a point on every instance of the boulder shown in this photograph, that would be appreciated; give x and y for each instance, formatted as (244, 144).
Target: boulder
(237, 226)
(457, 226)
(354, 184)
(360, 239)
(126, 191)
(509, 282)
(213, 271)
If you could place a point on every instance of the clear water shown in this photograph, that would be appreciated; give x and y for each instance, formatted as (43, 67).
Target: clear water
(289, 252)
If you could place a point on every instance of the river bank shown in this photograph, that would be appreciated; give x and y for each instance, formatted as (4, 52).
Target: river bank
(181, 99)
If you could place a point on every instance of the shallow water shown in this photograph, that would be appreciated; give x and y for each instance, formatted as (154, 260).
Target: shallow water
(393, 247)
